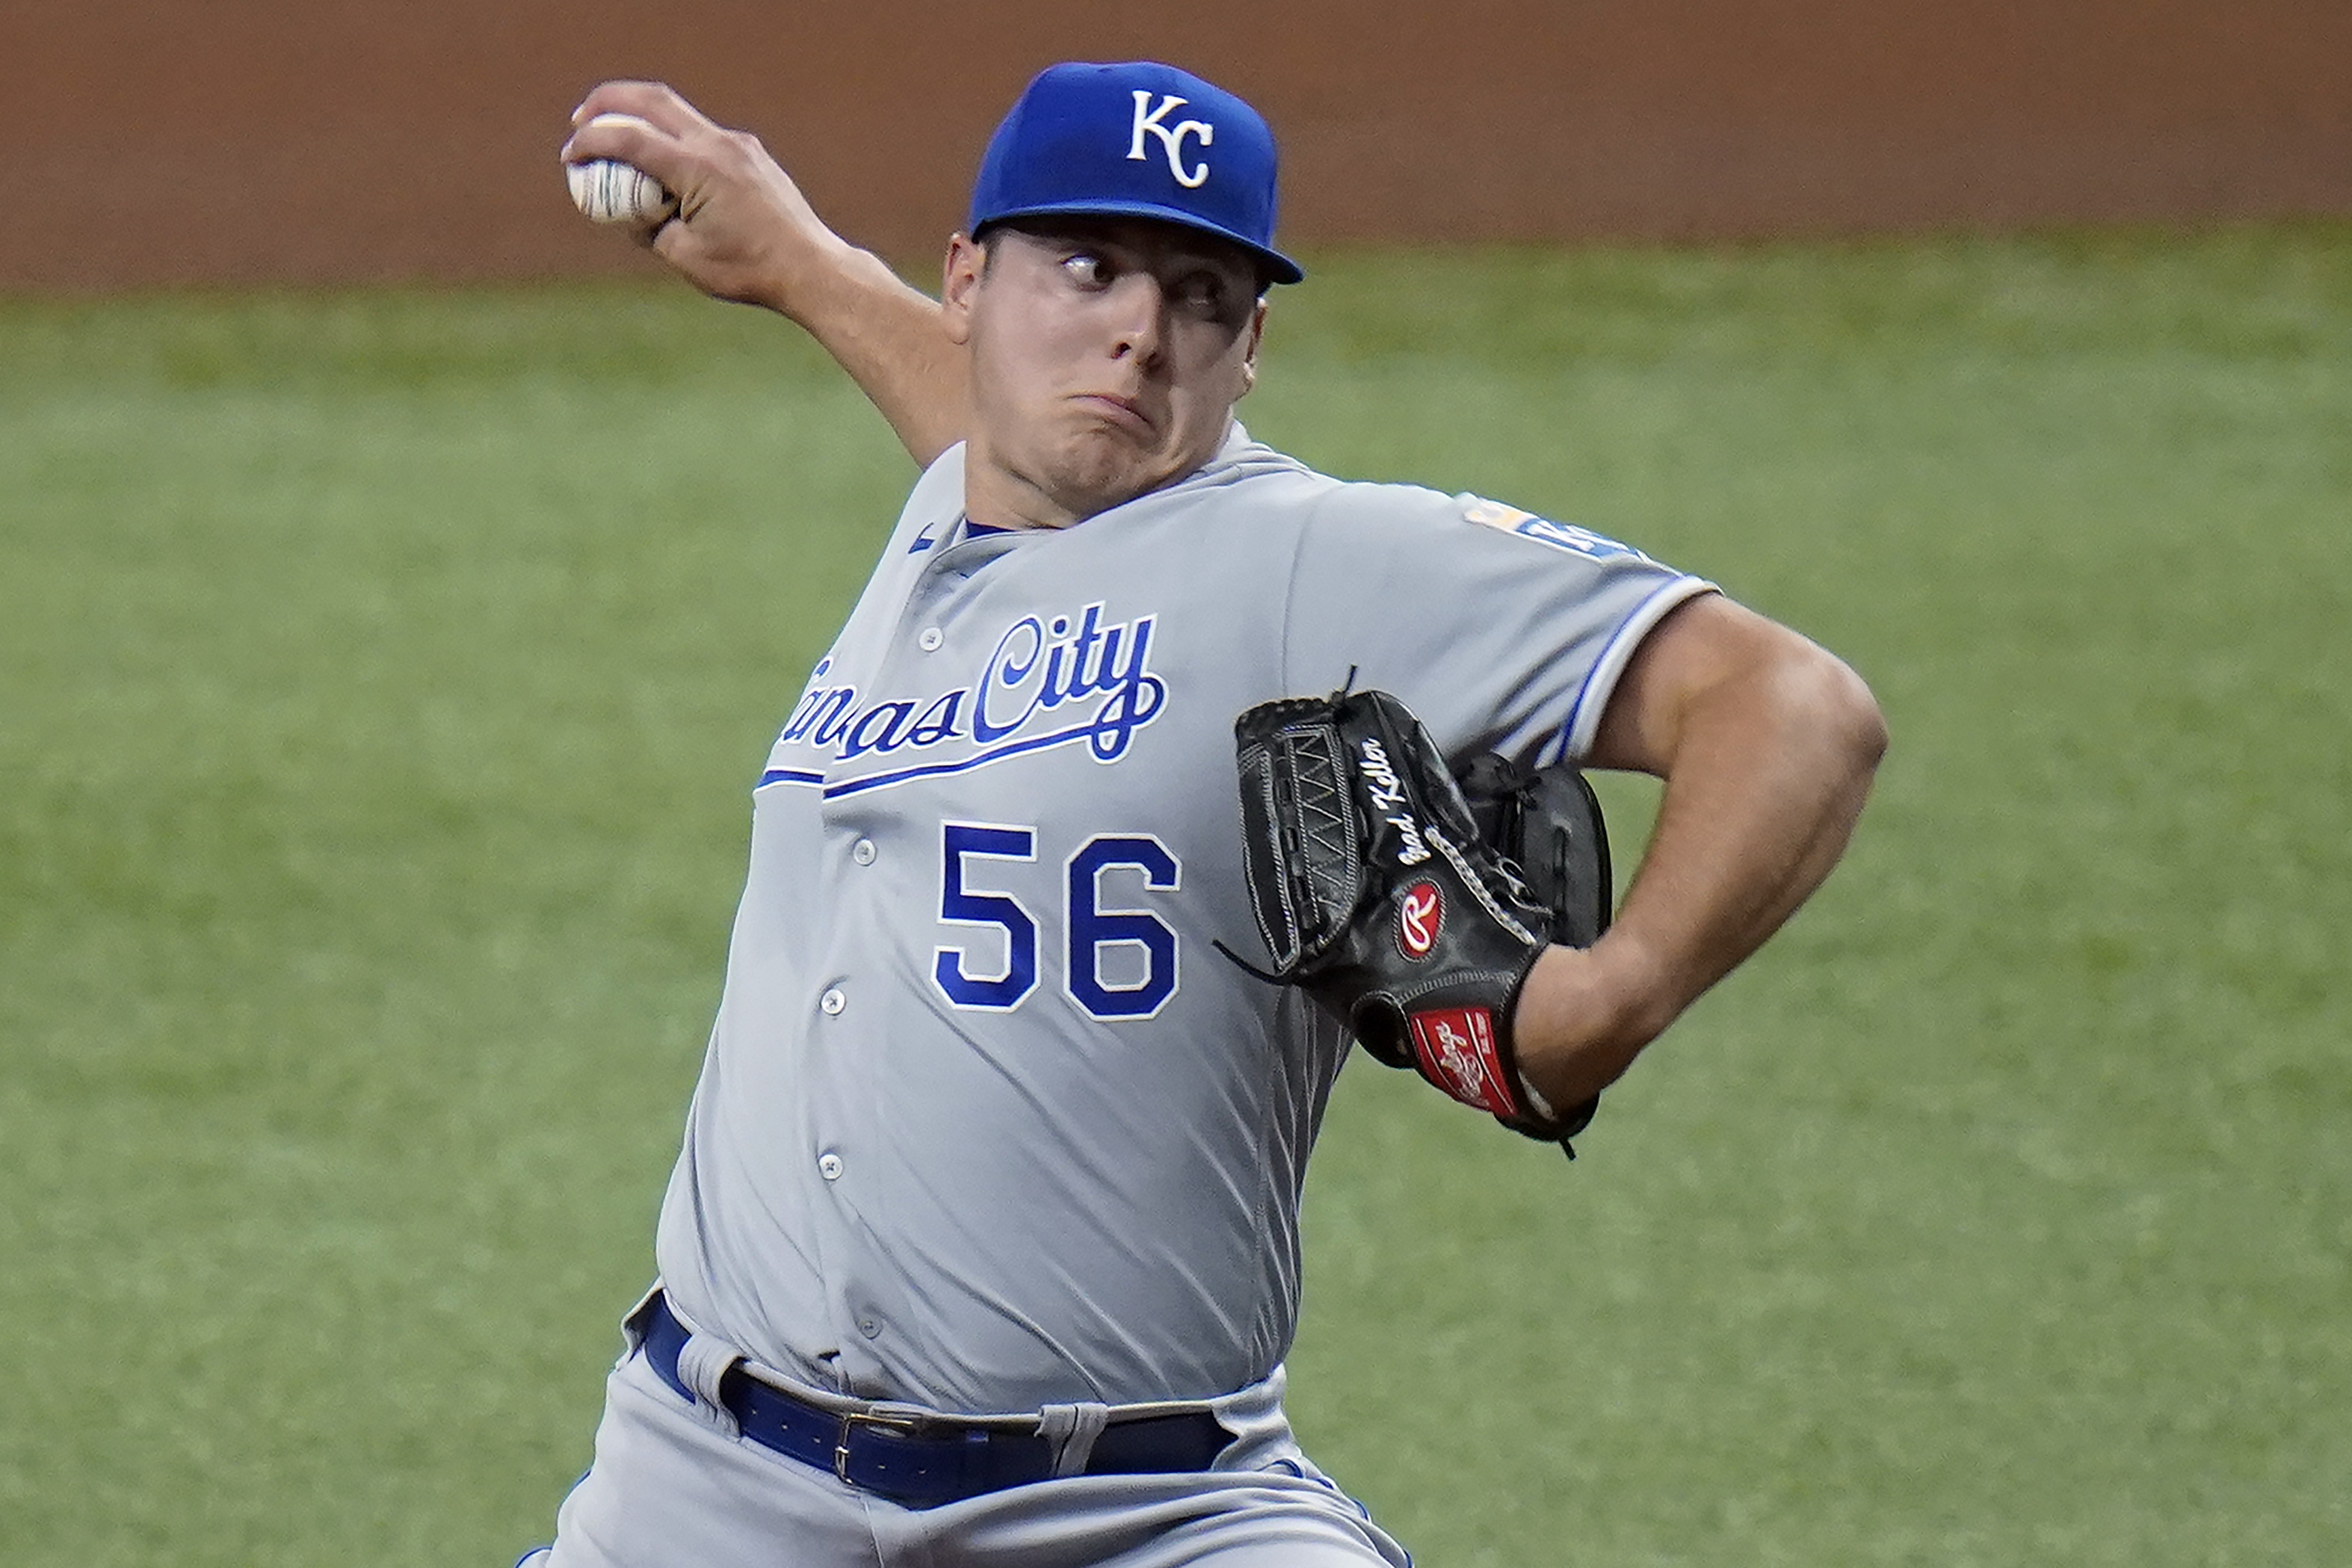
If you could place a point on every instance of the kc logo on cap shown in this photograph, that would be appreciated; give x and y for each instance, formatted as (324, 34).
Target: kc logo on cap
(1135, 140)
(1171, 140)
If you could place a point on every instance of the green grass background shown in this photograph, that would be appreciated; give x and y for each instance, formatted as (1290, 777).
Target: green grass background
(382, 678)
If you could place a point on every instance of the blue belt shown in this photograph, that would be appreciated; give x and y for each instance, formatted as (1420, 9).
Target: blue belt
(923, 1460)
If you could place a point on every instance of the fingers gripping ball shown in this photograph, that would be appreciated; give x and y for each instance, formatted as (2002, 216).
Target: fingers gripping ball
(609, 190)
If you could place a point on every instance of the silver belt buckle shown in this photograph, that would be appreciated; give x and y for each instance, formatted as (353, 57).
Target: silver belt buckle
(887, 1421)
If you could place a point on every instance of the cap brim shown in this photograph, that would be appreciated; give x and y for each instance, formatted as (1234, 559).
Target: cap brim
(1276, 266)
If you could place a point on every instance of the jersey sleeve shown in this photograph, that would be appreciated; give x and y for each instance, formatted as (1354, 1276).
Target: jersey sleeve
(1502, 630)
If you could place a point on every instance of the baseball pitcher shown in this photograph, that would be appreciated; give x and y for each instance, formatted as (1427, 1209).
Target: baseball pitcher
(1151, 771)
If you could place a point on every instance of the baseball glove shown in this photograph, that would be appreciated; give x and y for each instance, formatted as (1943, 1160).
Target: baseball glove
(1410, 906)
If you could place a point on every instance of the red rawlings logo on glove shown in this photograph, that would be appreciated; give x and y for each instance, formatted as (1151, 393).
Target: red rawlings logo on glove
(1457, 1051)
(1419, 916)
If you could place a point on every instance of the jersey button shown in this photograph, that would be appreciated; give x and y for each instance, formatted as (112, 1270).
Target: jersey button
(869, 1328)
(862, 852)
(832, 1002)
(829, 1167)
(931, 638)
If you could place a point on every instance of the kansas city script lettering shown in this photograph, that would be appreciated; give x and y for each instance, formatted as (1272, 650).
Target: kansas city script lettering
(1037, 670)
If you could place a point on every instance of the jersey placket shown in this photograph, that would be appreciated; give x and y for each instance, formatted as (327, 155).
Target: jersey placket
(874, 881)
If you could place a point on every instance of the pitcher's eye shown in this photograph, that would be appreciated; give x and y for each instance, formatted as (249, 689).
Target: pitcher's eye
(1087, 269)
(1202, 292)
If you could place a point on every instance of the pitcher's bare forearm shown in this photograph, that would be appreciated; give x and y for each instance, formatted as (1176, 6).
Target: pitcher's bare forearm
(744, 231)
(887, 335)
(1767, 745)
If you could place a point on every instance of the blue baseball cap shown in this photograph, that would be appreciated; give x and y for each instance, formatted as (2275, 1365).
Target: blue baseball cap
(1135, 140)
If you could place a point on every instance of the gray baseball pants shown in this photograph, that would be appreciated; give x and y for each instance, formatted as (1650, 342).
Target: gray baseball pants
(671, 1489)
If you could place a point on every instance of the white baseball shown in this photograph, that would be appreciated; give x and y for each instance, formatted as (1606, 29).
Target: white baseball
(610, 191)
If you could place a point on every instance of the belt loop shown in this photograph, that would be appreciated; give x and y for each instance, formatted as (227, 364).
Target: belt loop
(1070, 1431)
(702, 1363)
(633, 1321)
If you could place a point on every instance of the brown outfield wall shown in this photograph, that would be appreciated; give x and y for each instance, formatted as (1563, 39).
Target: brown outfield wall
(248, 141)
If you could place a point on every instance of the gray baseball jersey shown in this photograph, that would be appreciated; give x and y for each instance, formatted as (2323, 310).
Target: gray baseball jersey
(986, 1123)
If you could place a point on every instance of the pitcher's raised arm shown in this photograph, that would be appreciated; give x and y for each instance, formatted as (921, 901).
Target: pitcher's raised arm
(744, 231)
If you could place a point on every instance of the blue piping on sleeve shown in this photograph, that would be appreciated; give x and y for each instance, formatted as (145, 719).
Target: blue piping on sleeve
(1583, 720)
